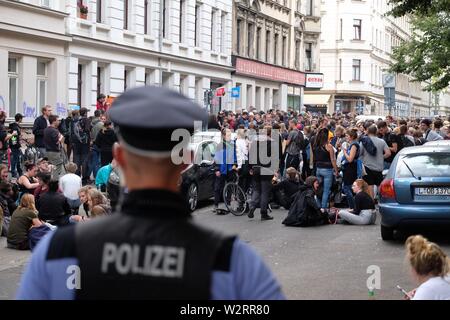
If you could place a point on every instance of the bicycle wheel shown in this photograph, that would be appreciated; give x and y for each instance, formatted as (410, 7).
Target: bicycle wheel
(234, 198)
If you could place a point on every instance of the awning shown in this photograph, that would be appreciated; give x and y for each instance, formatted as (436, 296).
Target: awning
(316, 99)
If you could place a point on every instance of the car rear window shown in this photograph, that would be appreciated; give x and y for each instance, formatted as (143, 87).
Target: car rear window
(424, 165)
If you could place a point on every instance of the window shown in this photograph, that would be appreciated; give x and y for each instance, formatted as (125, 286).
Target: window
(267, 45)
(182, 21)
(299, 5)
(283, 52)
(308, 57)
(340, 70)
(45, 3)
(79, 84)
(99, 11)
(297, 54)
(250, 33)
(309, 7)
(428, 165)
(165, 16)
(340, 28)
(99, 81)
(213, 29)
(223, 26)
(41, 72)
(146, 16)
(258, 43)
(13, 76)
(238, 36)
(197, 25)
(125, 80)
(275, 49)
(125, 14)
(357, 29)
(376, 38)
(356, 70)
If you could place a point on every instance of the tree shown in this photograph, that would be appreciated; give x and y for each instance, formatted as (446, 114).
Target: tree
(403, 7)
(426, 55)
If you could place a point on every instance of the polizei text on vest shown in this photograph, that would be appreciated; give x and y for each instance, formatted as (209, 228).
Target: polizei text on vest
(152, 260)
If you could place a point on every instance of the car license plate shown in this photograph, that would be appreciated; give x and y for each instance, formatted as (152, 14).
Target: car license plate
(433, 191)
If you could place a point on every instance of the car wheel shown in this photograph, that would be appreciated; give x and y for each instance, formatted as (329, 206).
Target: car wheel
(387, 233)
(192, 196)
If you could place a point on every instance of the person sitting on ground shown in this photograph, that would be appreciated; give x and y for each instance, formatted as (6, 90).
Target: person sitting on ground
(101, 180)
(284, 190)
(4, 173)
(8, 206)
(430, 268)
(364, 211)
(305, 210)
(44, 179)
(44, 166)
(83, 209)
(53, 206)
(28, 182)
(96, 198)
(70, 184)
(23, 219)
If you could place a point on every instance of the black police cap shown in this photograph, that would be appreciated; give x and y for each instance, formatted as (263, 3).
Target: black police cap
(147, 116)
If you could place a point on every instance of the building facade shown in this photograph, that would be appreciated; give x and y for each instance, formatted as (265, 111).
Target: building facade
(274, 43)
(181, 44)
(356, 43)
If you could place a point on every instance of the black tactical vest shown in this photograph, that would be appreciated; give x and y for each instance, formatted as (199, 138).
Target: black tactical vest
(150, 250)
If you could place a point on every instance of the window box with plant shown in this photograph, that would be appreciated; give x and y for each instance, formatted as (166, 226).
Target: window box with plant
(83, 10)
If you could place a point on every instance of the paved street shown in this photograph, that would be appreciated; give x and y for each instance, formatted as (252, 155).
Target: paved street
(328, 262)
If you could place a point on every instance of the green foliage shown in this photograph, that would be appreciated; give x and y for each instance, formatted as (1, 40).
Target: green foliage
(426, 56)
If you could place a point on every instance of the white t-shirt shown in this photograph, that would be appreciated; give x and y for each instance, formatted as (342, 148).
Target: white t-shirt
(241, 151)
(436, 288)
(70, 184)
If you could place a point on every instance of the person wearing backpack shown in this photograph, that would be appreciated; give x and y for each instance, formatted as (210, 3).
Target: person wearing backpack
(66, 130)
(374, 165)
(81, 142)
(294, 144)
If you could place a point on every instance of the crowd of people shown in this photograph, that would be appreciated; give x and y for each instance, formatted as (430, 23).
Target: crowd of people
(58, 187)
(307, 162)
(343, 154)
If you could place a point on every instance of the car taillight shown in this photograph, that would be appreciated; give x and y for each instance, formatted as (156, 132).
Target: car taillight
(387, 189)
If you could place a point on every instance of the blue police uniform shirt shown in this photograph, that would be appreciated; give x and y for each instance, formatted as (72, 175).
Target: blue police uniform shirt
(248, 278)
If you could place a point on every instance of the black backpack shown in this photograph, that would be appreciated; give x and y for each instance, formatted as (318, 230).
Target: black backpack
(406, 142)
(79, 133)
(300, 140)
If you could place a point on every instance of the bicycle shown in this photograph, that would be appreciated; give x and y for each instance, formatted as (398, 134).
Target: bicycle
(235, 199)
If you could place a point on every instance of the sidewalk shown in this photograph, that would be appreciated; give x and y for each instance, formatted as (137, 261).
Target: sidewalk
(11, 268)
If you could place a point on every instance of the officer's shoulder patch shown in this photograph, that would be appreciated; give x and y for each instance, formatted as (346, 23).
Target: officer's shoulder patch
(62, 244)
(223, 257)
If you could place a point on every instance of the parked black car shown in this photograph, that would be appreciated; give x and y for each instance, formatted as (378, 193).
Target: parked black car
(197, 181)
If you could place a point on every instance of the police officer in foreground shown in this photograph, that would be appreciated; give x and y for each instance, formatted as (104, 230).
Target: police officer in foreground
(151, 248)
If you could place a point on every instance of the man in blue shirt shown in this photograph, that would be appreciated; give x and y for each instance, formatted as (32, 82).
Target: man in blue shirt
(151, 248)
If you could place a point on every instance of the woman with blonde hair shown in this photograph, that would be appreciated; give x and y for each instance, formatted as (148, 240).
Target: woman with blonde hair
(23, 219)
(96, 198)
(364, 210)
(429, 268)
